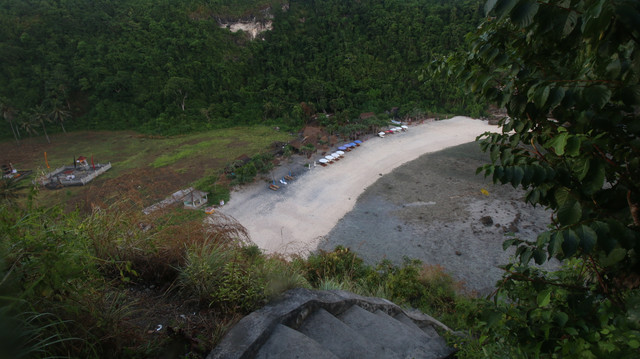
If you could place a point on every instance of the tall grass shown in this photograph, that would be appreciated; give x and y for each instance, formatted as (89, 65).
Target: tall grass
(31, 334)
(85, 271)
(412, 284)
(203, 269)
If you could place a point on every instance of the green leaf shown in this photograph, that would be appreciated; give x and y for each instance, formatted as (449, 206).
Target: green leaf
(606, 240)
(543, 238)
(533, 196)
(495, 153)
(523, 13)
(594, 178)
(570, 243)
(570, 213)
(613, 68)
(581, 168)
(539, 174)
(503, 7)
(573, 146)
(555, 97)
(562, 196)
(588, 237)
(597, 96)
(570, 23)
(569, 210)
(528, 175)
(558, 143)
(526, 256)
(544, 298)
(541, 95)
(506, 156)
(498, 173)
(508, 174)
(508, 243)
(572, 331)
(519, 126)
(555, 244)
(539, 256)
(492, 317)
(614, 257)
(561, 318)
(628, 14)
(516, 178)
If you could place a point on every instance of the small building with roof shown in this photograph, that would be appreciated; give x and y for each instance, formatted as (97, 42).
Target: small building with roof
(195, 199)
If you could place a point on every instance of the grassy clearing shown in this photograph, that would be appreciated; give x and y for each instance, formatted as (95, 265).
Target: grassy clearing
(178, 161)
(127, 150)
(225, 144)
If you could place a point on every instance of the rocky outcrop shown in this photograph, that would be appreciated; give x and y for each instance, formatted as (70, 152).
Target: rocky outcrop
(253, 28)
(254, 25)
(333, 324)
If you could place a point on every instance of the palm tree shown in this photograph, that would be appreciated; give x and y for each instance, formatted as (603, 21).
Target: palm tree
(39, 115)
(28, 124)
(59, 114)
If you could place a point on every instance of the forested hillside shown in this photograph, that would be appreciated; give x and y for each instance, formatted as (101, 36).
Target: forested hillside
(168, 67)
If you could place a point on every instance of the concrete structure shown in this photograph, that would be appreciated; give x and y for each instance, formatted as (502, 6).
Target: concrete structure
(78, 175)
(333, 324)
(195, 199)
(190, 197)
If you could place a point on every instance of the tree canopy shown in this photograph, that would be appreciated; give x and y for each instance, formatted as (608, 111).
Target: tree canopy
(125, 64)
(567, 72)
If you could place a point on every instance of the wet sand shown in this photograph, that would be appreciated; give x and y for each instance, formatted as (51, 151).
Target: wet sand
(433, 209)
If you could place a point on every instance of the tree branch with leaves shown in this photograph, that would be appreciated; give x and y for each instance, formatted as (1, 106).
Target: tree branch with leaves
(567, 73)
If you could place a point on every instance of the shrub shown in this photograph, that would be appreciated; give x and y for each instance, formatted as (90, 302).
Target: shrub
(203, 268)
(240, 289)
(281, 276)
(244, 174)
(340, 263)
(336, 284)
(262, 162)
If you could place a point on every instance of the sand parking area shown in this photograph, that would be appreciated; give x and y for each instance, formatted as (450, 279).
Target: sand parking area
(297, 219)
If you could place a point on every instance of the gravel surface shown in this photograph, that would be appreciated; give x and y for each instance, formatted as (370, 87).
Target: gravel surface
(433, 209)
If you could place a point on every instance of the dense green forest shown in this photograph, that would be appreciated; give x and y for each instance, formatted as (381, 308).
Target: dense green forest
(168, 67)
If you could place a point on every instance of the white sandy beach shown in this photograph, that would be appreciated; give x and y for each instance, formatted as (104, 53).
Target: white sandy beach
(293, 221)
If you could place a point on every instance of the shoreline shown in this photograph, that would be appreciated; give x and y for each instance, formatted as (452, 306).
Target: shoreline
(295, 219)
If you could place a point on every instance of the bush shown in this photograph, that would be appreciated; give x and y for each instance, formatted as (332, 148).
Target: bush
(281, 276)
(203, 269)
(236, 279)
(339, 264)
(244, 174)
(262, 162)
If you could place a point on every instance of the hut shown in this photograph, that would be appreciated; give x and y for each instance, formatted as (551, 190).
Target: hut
(195, 199)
